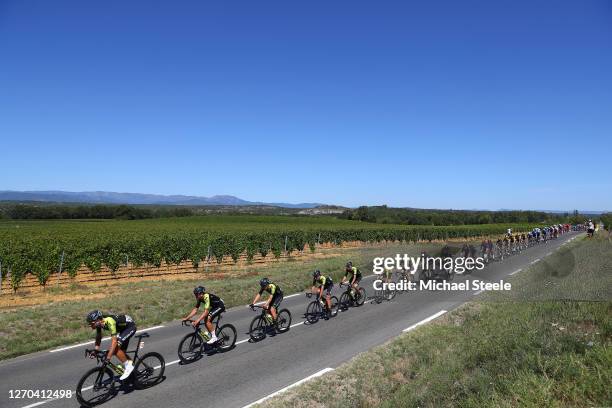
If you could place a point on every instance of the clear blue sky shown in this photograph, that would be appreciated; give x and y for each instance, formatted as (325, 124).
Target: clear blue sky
(440, 104)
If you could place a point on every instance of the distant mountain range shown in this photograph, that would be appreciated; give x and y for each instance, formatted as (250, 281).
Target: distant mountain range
(105, 197)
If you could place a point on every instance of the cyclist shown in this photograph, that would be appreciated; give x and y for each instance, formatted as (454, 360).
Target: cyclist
(355, 276)
(213, 307)
(275, 299)
(121, 328)
(322, 283)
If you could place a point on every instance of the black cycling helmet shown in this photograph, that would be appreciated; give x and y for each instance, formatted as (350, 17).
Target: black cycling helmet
(93, 316)
(316, 274)
(199, 290)
(264, 282)
(349, 264)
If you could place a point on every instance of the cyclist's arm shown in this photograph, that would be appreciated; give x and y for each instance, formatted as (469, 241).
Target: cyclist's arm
(321, 291)
(113, 346)
(98, 338)
(257, 297)
(190, 315)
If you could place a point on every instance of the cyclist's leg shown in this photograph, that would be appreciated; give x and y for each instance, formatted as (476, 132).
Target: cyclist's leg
(274, 304)
(123, 341)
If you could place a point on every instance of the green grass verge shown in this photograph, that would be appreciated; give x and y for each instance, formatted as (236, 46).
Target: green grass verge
(29, 329)
(524, 348)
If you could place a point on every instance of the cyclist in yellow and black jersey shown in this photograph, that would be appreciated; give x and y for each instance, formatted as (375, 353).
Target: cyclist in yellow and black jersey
(352, 275)
(121, 329)
(322, 283)
(276, 296)
(213, 307)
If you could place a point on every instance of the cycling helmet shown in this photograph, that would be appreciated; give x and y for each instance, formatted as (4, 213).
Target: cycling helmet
(199, 290)
(264, 282)
(349, 264)
(316, 274)
(93, 316)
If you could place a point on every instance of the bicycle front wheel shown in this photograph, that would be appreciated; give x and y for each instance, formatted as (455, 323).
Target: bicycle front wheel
(190, 348)
(313, 312)
(345, 301)
(283, 321)
(334, 306)
(96, 386)
(227, 337)
(149, 370)
(257, 330)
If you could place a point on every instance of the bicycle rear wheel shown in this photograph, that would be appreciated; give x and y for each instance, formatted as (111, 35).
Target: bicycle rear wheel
(96, 387)
(149, 370)
(190, 348)
(257, 329)
(361, 298)
(313, 312)
(283, 321)
(227, 337)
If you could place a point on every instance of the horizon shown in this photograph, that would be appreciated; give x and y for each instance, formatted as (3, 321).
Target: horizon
(254, 203)
(471, 105)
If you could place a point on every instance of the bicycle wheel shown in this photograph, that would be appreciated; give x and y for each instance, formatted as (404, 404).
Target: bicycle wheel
(389, 294)
(345, 301)
(361, 298)
(313, 312)
(334, 306)
(149, 370)
(283, 321)
(257, 329)
(96, 386)
(190, 348)
(227, 337)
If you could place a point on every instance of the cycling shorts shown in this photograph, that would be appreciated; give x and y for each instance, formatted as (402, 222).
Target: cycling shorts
(216, 311)
(276, 300)
(123, 338)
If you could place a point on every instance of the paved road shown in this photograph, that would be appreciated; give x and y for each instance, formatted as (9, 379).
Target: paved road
(252, 371)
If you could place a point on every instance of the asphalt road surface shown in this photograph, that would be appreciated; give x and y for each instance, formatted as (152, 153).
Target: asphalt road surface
(253, 371)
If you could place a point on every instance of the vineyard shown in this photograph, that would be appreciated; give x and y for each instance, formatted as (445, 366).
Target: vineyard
(42, 248)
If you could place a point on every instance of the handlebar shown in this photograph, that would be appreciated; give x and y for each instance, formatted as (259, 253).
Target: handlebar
(100, 355)
(188, 322)
(253, 307)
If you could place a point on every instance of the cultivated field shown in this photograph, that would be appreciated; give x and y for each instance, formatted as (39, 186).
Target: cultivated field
(42, 248)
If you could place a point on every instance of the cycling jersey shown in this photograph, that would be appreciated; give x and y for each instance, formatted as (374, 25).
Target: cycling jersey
(122, 323)
(353, 272)
(272, 289)
(209, 301)
(323, 281)
(113, 323)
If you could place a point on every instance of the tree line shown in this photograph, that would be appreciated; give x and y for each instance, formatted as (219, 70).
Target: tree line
(387, 215)
(67, 212)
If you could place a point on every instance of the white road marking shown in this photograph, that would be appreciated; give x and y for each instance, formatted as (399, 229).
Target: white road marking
(548, 254)
(297, 324)
(517, 271)
(536, 261)
(430, 318)
(310, 377)
(478, 292)
(40, 403)
(104, 339)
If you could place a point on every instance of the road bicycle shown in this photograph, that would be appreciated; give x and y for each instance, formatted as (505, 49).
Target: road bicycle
(317, 309)
(193, 345)
(351, 297)
(384, 294)
(264, 323)
(99, 384)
